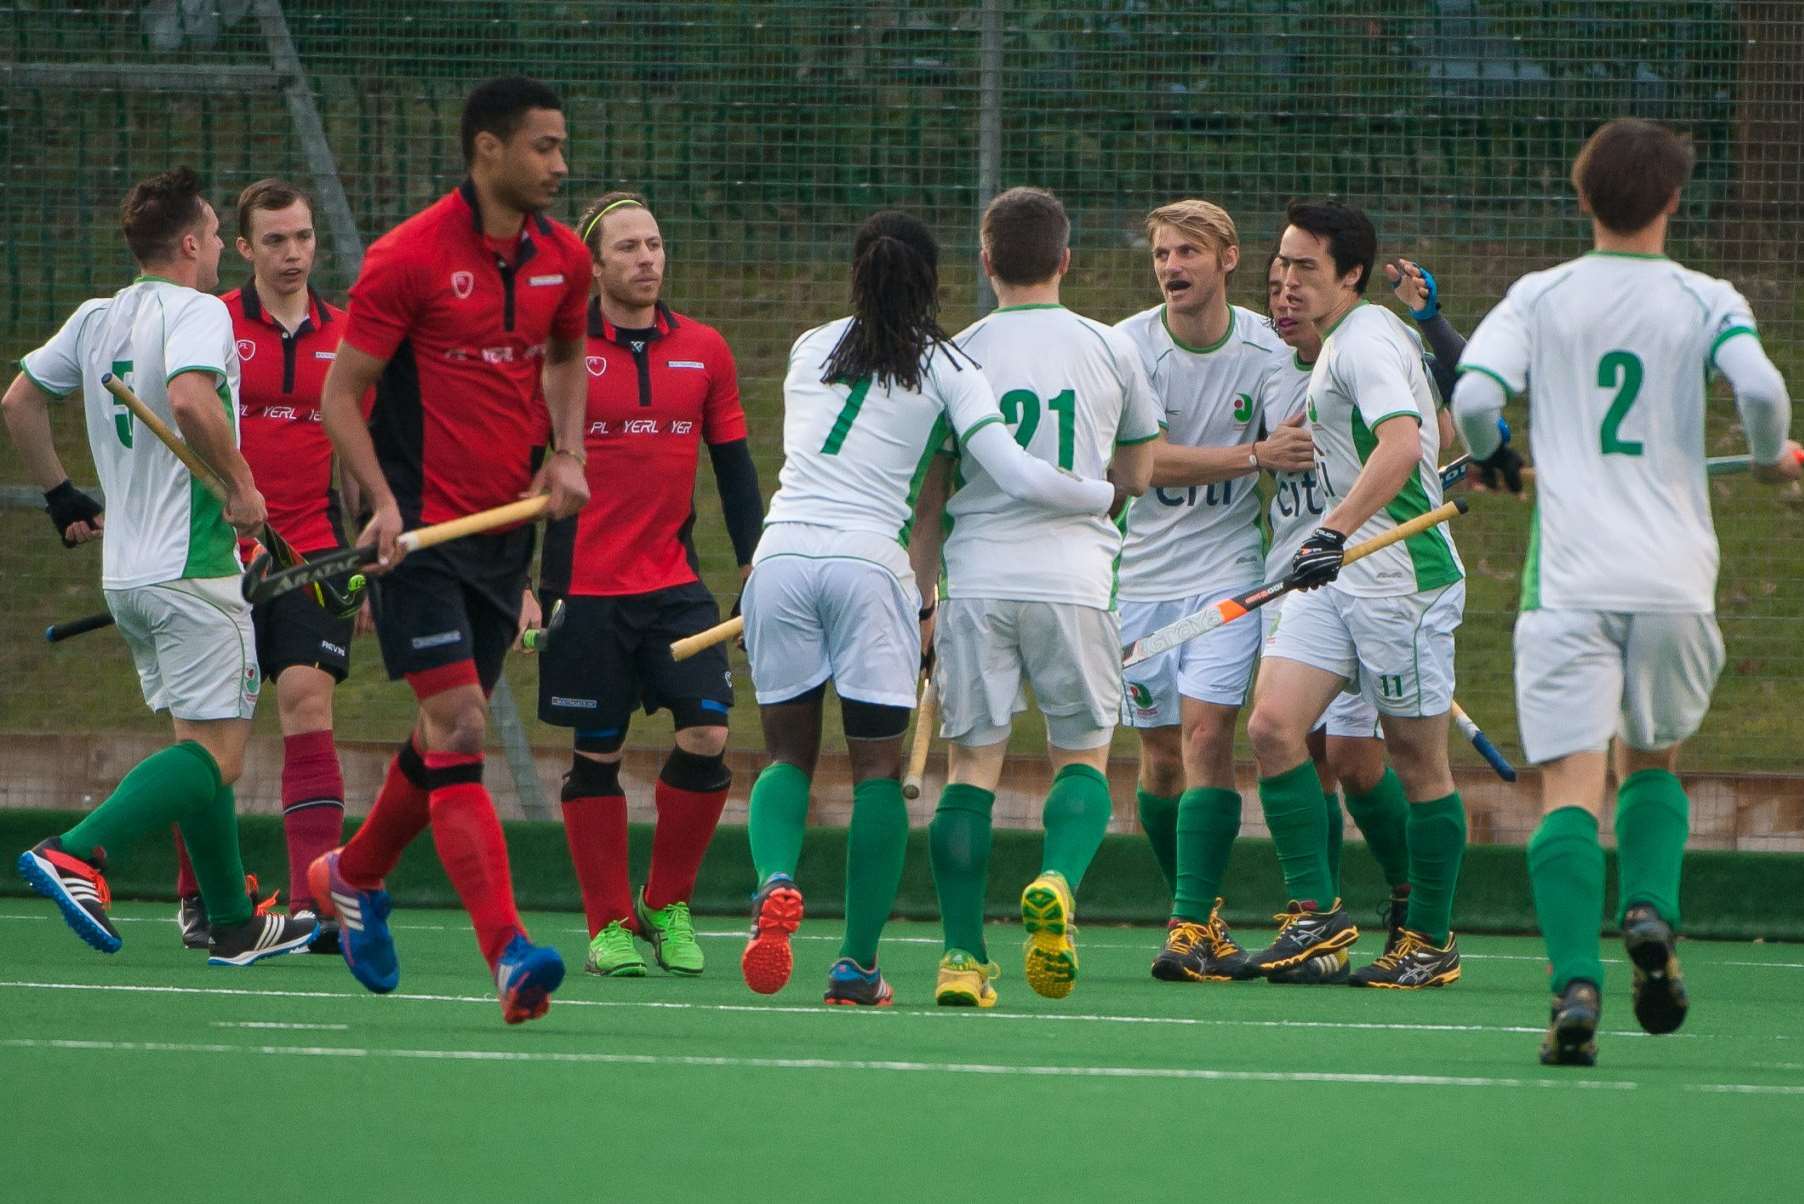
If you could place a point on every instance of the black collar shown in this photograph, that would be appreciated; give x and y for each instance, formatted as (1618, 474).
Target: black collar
(467, 190)
(601, 328)
(317, 313)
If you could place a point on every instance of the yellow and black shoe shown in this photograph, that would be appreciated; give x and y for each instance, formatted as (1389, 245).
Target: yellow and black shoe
(1571, 1038)
(1186, 948)
(1415, 964)
(964, 981)
(1660, 997)
(1324, 970)
(1047, 911)
(1303, 933)
(1227, 960)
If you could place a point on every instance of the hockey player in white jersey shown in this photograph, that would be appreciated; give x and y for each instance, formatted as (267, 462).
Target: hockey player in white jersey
(1030, 597)
(1616, 639)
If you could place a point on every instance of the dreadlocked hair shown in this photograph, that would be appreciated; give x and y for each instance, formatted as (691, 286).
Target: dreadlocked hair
(895, 304)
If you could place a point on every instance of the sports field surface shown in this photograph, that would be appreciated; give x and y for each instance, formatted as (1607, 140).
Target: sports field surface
(149, 1076)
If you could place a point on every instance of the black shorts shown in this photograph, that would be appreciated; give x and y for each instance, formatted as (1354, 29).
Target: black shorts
(613, 653)
(459, 601)
(293, 629)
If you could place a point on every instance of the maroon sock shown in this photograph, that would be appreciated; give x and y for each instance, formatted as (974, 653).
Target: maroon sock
(472, 849)
(596, 830)
(400, 813)
(313, 808)
(686, 822)
(186, 883)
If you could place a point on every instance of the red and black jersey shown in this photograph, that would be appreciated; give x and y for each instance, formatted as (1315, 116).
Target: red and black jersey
(463, 325)
(655, 396)
(279, 427)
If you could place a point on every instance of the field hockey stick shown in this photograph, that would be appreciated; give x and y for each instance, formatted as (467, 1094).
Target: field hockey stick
(261, 588)
(1715, 466)
(1483, 744)
(56, 633)
(538, 639)
(1455, 472)
(1229, 609)
(926, 716)
(720, 633)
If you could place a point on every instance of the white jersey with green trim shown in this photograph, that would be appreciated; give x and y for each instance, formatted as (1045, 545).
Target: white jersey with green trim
(1298, 501)
(1615, 352)
(161, 525)
(1184, 540)
(854, 454)
(1370, 371)
(1071, 390)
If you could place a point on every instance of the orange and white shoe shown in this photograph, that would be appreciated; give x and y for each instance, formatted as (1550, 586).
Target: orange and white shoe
(776, 913)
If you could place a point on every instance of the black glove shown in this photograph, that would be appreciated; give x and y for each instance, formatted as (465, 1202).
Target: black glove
(1318, 561)
(1502, 468)
(69, 505)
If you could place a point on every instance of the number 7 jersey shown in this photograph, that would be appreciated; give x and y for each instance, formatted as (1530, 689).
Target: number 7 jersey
(1615, 351)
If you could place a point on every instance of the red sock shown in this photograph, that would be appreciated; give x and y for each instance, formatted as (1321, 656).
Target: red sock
(185, 882)
(400, 813)
(596, 830)
(472, 849)
(686, 822)
(313, 808)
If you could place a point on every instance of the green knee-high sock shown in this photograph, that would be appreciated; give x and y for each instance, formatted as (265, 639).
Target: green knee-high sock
(875, 847)
(1292, 802)
(1437, 845)
(1208, 822)
(1653, 817)
(958, 845)
(1159, 820)
(164, 788)
(211, 835)
(1566, 872)
(1336, 834)
(1382, 815)
(1076, 817)
(776, 815)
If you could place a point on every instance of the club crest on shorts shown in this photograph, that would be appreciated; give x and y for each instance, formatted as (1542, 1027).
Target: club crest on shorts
(247, 350)
(1140, 697)
(596, 364)
(463, 284)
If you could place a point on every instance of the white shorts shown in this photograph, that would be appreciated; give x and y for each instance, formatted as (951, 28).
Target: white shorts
(193, 646)
(1217, 667)
(1069, 654)
(1396, 651)
(1583, 676)
(1351, 714)
(811, 617)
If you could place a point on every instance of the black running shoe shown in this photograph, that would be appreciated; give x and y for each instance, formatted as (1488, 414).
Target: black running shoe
(1393, 914)
(1660, 998)
(1571, 1038)
(191, 914)
(1181, 960)
(1303, 933)
(260, 937)
(77, 887)
(1325, 970)
(1414, 965)
(326, 940)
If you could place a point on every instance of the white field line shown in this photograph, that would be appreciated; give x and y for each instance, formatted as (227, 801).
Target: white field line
(280, 1024)
(879, 1015)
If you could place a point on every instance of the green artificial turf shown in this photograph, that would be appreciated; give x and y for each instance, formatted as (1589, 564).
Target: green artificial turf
(149, 1076)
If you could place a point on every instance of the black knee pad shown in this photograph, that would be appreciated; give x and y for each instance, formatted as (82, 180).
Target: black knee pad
(412, 764)
(871, 720)
(589, 778)
(693, 771)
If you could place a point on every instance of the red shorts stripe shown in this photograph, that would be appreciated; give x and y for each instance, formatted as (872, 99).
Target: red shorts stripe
(430, 682)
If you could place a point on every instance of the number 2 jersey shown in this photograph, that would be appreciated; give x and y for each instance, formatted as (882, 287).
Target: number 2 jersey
(1071, 390)
(1184, 540)
(1615, 351)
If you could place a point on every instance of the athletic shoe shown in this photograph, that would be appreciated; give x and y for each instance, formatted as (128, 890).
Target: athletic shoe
(260, 937)
(77, 887)
(1660, 997)
(362, 915)
(1202, 952)
(776, 913)
(1571, 1038)
(612, 954)
(1393, 914)
(1416, 963)
(1227, 961)
(326, 941)
(1047, 912)
(964, 982)
(261, 907)
(851, 985)
(1323, 970)
(525, 977)
(191, 914)
(1303, 933)
(671, 933)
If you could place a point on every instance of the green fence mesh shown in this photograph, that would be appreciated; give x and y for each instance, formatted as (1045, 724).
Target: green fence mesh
(764, 131)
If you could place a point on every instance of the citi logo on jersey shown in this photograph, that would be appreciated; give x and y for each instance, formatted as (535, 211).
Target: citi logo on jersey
(463, 284)
(596, 364)
(247, 350)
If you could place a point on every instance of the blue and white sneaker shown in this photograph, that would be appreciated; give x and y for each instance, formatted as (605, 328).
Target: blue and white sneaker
(525, 977)
(261, 937)
(77, 887)
(362, 915)
(851, 985)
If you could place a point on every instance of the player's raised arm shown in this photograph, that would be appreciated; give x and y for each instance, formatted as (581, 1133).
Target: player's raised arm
(1414, 285)
(971, 403)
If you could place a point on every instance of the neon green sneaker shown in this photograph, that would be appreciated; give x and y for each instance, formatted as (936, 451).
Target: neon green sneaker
(613, 954)
(671, 932)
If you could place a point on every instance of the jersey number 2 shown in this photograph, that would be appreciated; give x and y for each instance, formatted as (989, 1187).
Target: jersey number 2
(1021, 410)
(1619, 370)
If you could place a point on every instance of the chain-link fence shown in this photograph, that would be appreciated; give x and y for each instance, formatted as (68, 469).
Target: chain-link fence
(763, 132)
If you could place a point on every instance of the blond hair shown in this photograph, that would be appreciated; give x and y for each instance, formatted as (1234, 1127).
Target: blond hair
(1202, 222)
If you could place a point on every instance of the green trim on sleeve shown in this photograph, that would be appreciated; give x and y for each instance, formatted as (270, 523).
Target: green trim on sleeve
(1722, 338)
(978, 426)
(1142, 439)
(1384, 418)
(53, 394)
(219, 372)
(1508, 389)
